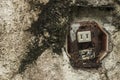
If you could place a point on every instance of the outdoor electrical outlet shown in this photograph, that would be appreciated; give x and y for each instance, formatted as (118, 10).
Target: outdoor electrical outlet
(87, 44)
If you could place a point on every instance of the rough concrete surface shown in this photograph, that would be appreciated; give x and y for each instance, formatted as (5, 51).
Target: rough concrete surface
(16, 16)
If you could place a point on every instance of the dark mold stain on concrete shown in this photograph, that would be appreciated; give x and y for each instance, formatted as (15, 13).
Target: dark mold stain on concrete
(54, 19)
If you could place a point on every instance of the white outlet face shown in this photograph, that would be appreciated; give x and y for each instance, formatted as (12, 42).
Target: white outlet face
(84, 36)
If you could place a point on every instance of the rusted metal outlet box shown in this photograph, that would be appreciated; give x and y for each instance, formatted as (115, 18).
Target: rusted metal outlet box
(87, 44)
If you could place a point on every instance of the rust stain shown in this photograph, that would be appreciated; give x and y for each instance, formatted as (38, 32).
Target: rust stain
(98, 45)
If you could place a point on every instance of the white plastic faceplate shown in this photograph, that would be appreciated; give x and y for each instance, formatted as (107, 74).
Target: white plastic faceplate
(84, 36)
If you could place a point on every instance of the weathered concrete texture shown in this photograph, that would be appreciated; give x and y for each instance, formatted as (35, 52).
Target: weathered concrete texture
(47, 67)
(16, 17)
(94, 2)
(114, 69)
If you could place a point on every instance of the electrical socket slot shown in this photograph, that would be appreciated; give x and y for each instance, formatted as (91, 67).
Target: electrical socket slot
(84, 36)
